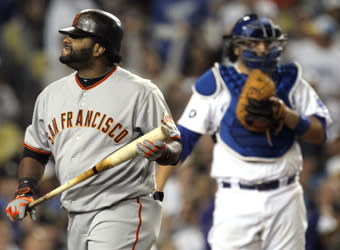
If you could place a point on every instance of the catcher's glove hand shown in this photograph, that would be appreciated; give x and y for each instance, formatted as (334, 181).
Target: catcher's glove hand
(257, 108)
(265, 114)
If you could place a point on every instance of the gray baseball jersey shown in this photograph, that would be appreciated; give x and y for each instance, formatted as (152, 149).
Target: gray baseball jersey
(81, 126)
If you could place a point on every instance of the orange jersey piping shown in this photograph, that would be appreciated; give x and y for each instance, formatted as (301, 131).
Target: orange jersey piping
(36, 150)
(97, 83)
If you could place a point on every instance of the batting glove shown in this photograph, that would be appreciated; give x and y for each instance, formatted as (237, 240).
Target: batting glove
(17, 209)
(151, 150)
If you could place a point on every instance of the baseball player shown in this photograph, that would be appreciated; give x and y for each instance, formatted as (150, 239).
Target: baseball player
(259, 200)
(82, 118)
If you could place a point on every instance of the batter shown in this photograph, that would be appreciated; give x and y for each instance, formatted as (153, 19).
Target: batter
(84, 117)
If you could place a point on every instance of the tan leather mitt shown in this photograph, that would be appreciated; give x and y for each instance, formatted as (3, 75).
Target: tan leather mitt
(254, 108)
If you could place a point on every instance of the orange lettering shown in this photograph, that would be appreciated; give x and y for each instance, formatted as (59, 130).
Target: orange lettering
(88, 118)
(51, 131)
(79, 121)
(49, 138)
(107, 123)
(101, 122)
(96, 115)
(63, 120)
(55, 126)
(121, 136)
(111, 134)
(69, 119)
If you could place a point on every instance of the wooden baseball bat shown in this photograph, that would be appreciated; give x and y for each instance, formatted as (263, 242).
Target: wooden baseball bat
(121, 155)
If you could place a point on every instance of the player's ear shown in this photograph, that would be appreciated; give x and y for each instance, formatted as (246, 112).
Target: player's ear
(237, 50)
(98, 49)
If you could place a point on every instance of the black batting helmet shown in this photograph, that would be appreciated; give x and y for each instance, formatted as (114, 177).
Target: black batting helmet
(100, 24)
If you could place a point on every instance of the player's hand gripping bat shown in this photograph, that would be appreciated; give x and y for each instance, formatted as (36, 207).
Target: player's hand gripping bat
(123, 154)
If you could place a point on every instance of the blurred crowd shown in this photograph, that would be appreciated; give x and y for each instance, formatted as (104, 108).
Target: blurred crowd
(171, 42)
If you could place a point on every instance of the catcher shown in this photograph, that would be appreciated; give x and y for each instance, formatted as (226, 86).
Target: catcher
(256, 109)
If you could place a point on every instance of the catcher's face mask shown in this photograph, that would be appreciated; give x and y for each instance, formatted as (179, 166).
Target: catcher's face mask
(251, 31)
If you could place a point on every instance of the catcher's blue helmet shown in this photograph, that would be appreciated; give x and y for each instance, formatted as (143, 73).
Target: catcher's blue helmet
(251, 29)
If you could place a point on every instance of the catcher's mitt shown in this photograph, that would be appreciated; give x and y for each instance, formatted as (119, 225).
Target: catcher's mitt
(257, 108)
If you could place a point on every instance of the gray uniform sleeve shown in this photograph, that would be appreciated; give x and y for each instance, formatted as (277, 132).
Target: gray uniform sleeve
(35, 136)
(153, 112)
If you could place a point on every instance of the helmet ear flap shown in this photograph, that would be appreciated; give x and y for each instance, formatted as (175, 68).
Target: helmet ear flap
(228, 49)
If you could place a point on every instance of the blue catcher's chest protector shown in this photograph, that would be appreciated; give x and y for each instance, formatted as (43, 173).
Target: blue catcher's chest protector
(240, 139)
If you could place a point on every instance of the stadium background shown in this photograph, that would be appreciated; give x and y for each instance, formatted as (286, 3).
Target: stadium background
(171, 42)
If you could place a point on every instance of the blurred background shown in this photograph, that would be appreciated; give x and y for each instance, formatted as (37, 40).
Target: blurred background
(171, 42)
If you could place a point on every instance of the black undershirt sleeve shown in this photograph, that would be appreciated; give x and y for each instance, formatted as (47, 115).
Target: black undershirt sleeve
(42, 158)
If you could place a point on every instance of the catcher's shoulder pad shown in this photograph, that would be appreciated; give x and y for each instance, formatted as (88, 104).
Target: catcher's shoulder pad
(289, 70)
(206, 85)
(286, 77)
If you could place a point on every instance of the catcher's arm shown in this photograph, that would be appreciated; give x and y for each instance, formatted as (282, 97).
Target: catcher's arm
(162, 175)
(189, 140)
(310, 128)
(259, 110)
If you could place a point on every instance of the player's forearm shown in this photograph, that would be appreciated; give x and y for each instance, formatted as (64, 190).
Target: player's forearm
(162, 175)
(31, 168)
(291, 119)
(315, 132)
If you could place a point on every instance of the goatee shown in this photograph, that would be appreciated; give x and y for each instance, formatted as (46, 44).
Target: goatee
(77, 58)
